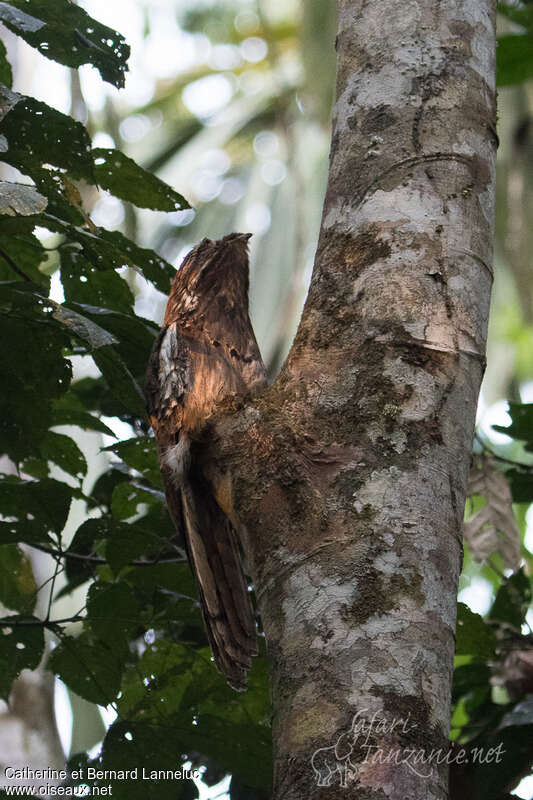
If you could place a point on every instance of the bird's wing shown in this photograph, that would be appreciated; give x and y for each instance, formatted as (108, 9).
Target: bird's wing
(236, 346)
(164, 389)
(166, 384)
(226, 605)
(184, 381)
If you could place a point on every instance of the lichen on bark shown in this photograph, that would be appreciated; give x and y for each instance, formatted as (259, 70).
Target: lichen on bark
(349, 472)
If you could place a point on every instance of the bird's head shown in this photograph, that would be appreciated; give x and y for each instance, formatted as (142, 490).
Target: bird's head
(218, 260)
(235, 239)
(210, 249)
(215, 266)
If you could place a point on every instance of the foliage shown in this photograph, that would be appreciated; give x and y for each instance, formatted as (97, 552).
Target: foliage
(492, 528)
(493, 677)
(515, 50)
(63, 31)
(490, 699)
(138, 643)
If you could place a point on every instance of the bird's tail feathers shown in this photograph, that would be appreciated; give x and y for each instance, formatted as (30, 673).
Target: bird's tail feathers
(226, 604)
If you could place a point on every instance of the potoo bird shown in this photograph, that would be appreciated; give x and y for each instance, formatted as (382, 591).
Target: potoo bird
(206, 353)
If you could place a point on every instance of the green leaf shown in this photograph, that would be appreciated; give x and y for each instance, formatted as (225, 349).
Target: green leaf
(79, 763)
(140, 453)
(20, 199)
(105, 250)
(134, 336)
(120, 380)
(64, 207)
(474, 637)
(96, 396)
(100, 342)
(88, 667)
(84, 283)
(124, 543)
(36, 509)
(23, 249)
(22, 647)
(22, 413)
(512, 601)
(124, 178)
(113, 614)
(470, 678)
(17, 584)
(147, 262)
(102, 490)
(36, 373)
(521, 426)
(156, 518)
(64, 452)
(128, 543)
(514, 58)
(174, 684)
(240, 791)
(127, 497)
(129, 745)
(35, 468)
(84, 544)
(241, 748)
(68, 410)
(521, 483)
(496, 762)
(37, 134)
(171, 578)
(63, 31)
(209, 694)
(166, 669)
(184, 694)
(6, 73)
(81, 326)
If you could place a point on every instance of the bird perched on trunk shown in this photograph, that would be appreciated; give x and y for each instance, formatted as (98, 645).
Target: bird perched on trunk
(206, 353)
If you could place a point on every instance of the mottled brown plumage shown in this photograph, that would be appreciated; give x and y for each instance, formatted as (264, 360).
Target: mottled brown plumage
(205, 353)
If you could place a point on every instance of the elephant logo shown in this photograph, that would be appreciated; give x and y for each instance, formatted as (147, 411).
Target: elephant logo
(335, 758)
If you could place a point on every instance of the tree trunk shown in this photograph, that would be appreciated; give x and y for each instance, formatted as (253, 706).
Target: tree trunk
(349, 474)
(28, 732)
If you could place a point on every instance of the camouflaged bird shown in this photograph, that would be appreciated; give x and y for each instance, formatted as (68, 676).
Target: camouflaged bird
(206, 353)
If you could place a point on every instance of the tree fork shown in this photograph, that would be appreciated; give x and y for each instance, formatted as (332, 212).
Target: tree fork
(349, 473)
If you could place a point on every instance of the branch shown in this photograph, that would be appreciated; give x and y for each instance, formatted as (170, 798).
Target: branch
(14, 267)
(57, 570)
(7, 622)
(98, 560)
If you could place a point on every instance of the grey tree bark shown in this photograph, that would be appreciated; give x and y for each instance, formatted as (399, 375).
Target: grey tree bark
(349, 473)
(28, 730)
